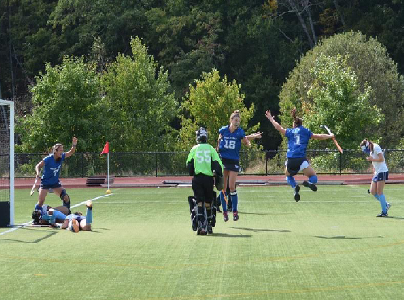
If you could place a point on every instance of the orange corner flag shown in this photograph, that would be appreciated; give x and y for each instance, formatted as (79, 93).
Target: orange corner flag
(106, 149)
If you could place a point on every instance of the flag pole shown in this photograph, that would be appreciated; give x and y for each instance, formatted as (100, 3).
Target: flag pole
(108, 190)
(106, 150)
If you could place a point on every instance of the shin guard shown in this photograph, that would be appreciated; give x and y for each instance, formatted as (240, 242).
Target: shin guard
(234, 200)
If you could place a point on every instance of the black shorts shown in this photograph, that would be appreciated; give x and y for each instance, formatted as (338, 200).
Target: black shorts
(231, 165)
(50, 186)
(202, 185)
(293, 165)
(382, 176)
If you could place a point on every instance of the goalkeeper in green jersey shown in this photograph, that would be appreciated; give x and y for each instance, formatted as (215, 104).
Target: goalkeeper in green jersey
(203, 164)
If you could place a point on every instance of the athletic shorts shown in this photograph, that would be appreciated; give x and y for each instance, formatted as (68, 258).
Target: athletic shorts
(50, 186)
(295, 165)
(231, 165)
(382, 176)
(202, 186)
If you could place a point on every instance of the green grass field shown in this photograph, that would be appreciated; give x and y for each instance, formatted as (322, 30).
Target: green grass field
(330, 245)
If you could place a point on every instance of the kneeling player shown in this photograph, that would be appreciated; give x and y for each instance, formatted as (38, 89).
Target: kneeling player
(203, 163)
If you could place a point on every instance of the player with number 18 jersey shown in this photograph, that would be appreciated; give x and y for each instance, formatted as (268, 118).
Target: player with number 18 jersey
(230, 144)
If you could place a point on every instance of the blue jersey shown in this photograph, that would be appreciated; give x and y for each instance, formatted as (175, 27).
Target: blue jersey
(298, 139)
(230, 144)
(51, 169)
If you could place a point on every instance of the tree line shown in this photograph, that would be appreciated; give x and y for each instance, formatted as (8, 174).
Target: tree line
(144, 72)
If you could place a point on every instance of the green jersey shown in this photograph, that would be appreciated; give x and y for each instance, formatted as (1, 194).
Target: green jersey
(203, 155)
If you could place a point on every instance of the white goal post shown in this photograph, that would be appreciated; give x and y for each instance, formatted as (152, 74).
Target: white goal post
(7, 154)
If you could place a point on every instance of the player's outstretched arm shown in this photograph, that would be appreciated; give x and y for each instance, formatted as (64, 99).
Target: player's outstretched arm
(73, 148)
(276, 124)
(317, 136)
(253, 136)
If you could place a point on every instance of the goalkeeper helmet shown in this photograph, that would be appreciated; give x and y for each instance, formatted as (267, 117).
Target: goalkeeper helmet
(201, 135)
(36, 217)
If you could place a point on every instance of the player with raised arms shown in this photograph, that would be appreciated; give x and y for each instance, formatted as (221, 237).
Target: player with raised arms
(298, 139)
(229, 144)
(52, 165)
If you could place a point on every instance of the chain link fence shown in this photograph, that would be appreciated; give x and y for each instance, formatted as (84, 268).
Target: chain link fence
(271, 162)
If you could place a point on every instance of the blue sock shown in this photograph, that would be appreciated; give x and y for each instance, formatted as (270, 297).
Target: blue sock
(383, 202)
(38, 207)
(377, 197)
(89, 215)
(313, 179)
(291, 181)
(234, 200)
(224, 205)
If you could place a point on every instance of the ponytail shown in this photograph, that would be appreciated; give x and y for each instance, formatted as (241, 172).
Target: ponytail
(297, 121)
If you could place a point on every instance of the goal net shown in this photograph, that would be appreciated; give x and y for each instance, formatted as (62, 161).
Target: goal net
(7, 159)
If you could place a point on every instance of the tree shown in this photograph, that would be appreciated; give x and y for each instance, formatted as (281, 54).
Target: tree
(369, 61)
(210, 103)
(66, 103)
(185, 38)
(335, 100)
(80, 22)
(140, 106)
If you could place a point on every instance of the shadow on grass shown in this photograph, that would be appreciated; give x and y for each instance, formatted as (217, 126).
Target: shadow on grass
(48, 234)
(98, 230)
(392, 217)
(220, 234)
(264, 214)
(343, 237)
(259, 230)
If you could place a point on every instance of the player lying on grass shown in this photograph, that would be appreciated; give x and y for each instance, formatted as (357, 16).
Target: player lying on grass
(381, 173)
(76, 222)
(52, 165)
(298, 139)
(202, 162)
(47, 215)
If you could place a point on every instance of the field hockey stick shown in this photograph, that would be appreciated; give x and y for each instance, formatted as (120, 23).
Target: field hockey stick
(33, 186)
(334, 139)
(225, 197)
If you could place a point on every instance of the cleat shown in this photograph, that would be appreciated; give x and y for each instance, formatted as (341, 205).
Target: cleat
(74, 225)
(225, 216)
(201, 231)
(210, 230)
(297, 195)
(310, 185)
(388, 206)
(235, 216)
(382, 215)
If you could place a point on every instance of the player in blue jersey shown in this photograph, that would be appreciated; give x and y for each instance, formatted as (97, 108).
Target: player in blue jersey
(298, 139)
(52, 165)
(229, 144)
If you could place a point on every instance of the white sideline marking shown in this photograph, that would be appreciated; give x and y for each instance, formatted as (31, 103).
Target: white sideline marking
(29, 223)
